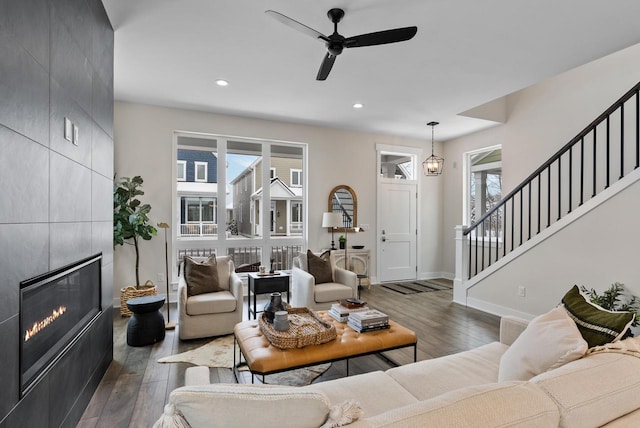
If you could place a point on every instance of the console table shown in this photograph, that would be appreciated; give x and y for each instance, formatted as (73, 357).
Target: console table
(358, 260)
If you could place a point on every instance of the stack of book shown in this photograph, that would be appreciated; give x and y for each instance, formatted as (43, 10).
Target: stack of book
(341, 313)
(369, 320)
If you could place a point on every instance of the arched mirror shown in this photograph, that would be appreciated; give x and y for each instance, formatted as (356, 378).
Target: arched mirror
(342, 199)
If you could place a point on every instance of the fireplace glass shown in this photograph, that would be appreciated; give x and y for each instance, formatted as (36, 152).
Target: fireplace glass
(55, 308)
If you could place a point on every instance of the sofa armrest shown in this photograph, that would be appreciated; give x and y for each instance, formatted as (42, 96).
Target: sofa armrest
(510, 328)
(347, 277)
(302, 288)
(182, 295)
(235, 287)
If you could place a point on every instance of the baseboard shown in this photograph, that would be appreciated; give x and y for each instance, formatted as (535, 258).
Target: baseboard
(436, 275)
(494, 309)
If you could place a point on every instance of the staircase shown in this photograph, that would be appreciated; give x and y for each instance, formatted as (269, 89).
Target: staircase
(597, 164)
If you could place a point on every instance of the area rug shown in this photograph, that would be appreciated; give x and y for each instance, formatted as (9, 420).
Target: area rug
(421, 286)
(219, 353)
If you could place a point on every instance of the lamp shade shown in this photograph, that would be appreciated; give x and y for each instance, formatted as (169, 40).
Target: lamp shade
(332, 220)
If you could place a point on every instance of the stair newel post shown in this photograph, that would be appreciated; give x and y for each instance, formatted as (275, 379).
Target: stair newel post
(462, 265)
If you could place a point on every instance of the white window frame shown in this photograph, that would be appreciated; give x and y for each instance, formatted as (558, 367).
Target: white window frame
(184, 170)
(206, 172)
(273, 172)
(467, 170)
(298, 174)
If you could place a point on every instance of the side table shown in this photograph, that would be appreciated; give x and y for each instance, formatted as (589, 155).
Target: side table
(146, 325)
(266, 284)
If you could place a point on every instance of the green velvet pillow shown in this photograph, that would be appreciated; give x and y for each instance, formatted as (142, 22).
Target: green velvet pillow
(597, 325)
(201, 277)
(320, 267)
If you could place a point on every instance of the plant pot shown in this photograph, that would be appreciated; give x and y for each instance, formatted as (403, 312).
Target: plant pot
(341, 245)
(131, 292)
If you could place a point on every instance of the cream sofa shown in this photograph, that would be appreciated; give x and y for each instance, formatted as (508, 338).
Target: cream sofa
(459, 390)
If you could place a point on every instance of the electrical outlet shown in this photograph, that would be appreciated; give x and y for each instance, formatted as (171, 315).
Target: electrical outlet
(174, 287)
(522, 291)
(160, 277)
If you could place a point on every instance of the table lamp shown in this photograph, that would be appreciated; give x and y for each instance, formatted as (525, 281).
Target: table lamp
(332, 220)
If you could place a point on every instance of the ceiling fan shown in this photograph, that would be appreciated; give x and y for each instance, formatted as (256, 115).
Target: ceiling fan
(335, 43)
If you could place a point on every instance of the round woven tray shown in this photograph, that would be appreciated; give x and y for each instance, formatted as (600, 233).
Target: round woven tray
(305, 328)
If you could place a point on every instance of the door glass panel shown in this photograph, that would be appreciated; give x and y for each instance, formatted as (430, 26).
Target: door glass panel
(244, 197)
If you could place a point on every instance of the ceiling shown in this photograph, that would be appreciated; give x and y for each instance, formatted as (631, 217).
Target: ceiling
(466, 53)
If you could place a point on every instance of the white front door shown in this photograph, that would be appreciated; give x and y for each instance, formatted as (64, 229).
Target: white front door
(397, 230)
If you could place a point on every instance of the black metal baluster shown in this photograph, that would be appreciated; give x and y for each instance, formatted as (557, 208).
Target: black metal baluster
(521, 227)
(504, 229)
(570, 178)
(470, 259)
(477, 230)
(621, 141)
(549, 195)
(482, 252)
(581, 170)
(559, 187)
(513, 221)
(539, 200)
(606, 184)
(595, 132)
(637, 129)
(529, 214)
(490, 228)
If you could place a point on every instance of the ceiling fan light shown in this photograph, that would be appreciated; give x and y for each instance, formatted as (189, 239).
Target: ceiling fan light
(358, 105)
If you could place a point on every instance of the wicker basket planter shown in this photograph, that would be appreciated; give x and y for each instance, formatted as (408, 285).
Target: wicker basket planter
(305, 329)
(148, 289)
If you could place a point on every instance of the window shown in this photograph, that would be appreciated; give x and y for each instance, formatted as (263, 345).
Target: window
(296, 177)
(272, 173)
(182, 170)
(201, 171)
(484, 185)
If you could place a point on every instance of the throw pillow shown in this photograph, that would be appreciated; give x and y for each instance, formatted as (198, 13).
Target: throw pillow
(549, 341)
(201, 277)
(320, 267)
(596, 324)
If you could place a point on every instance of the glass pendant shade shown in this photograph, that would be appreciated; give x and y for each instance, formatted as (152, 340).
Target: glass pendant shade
(432, 165)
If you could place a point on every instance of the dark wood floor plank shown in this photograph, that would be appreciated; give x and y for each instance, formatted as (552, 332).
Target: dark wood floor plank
(136, 387)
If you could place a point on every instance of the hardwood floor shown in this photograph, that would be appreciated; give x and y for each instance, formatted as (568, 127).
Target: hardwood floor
(135, 388)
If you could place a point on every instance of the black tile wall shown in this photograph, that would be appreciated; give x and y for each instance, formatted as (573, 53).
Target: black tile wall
(56, 61)
(24, 174)
(9, 368)
(24, 91)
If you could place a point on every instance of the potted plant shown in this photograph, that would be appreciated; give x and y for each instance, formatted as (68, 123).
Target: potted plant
(130, 224)
(342, 240)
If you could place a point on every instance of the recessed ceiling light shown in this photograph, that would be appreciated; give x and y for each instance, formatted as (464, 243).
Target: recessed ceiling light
(221, 82)
(358, 105)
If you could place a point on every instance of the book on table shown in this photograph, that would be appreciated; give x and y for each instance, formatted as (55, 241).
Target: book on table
(341, 313)
(368, 316)
(364, 329)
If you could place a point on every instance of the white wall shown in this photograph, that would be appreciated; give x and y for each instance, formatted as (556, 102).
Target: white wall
(143, 146)
(540, 120)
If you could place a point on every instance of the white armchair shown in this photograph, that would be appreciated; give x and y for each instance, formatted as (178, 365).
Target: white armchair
(210, 314)
(306, 293)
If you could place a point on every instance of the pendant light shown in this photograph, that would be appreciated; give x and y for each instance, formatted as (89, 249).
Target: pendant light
(433, 164)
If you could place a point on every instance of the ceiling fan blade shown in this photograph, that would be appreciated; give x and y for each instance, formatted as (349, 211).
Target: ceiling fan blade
(381, 37)
(296, 25)
(325, 67)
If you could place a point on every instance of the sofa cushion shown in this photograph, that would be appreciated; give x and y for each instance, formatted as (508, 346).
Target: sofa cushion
(331, 292)
(320, 267)
(515, 404)
(430, 378)
(594, 390)
(549, 341)
(211, 303)
(597, 325)
(201, 276)
(375, 391)
(235, 405)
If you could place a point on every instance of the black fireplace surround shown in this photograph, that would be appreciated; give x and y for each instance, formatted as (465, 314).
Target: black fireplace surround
(55, 309)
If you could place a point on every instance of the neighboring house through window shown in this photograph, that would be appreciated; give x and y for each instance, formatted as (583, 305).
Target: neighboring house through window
(182, 170)
(483, 185)
(296, 177)
(201, 171)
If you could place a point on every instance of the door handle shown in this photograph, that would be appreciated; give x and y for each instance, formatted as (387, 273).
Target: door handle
(384, 239)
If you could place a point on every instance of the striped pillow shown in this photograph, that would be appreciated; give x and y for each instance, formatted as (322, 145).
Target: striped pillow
(596, 324)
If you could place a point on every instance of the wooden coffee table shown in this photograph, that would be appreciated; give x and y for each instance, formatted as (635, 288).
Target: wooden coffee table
(262, 358)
